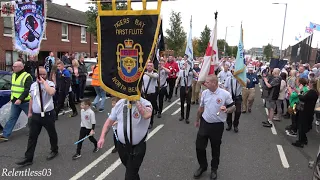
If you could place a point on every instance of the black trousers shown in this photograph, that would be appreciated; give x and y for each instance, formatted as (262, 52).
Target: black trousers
(83, 133)
(61, 96)
(153, 99)
(171, 82)
(237, 115)
(82, 85)
(132, 164)
(76, 91)
(161, 94)
(185, 95)
(213, 132)
(36, 124)
(71, 102)
(294, 120)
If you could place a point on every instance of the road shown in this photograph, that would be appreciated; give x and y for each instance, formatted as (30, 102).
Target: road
(255, 152)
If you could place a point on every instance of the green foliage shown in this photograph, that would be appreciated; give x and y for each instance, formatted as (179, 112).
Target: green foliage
(204, 40)
(176, 36)
(267, 51)
(195, 44)
(92, 14)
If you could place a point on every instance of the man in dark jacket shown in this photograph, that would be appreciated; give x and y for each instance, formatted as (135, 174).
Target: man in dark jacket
(63, 86)
(82, 76)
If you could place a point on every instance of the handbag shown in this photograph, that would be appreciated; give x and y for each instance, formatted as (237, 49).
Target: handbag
(300, 106)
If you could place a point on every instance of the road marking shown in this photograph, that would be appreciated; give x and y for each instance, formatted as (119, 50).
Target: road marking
(174, 102)
(260, 90)
(259, 85)
(273, 129)
(178, 110)
(283, 157)
(118, 161)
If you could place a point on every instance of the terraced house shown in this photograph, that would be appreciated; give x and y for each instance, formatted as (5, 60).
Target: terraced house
(65, 32)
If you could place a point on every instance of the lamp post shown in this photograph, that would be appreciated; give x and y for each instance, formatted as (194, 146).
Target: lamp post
(225, 40)
(284, 23)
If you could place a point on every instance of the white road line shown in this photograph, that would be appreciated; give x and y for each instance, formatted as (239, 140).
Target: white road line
(178, 103)
(104, 155)
(178, 110)
(263, 101)
(174, 102)
(273, 129)
(111, 168)
(260, 90)
(283, 157)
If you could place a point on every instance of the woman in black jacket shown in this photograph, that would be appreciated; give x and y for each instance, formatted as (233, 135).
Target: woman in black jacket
(306, 114)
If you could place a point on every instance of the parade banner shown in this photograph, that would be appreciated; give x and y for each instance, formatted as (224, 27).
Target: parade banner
(126, 41)
(28, 26)
(5, 115)
(240, 66)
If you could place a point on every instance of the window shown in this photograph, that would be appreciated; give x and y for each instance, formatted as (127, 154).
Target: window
(7, 25)
(12, 57)
(64, 33)
(83, 35)
(95, 40)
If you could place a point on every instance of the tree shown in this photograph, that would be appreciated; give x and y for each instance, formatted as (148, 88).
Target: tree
(204, 40)
(221, 43)
(267, 51)
(234, 51)
(195, 44)
(92, 15)
(176, 36)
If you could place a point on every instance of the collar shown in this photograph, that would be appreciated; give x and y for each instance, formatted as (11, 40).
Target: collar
(215, 92)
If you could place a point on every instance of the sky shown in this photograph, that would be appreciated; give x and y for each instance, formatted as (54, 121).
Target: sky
(262, 21)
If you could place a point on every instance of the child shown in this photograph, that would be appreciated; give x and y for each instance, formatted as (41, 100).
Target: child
(88, 122)
(114, 101)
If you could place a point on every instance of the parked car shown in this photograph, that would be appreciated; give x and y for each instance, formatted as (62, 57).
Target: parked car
(90, 62)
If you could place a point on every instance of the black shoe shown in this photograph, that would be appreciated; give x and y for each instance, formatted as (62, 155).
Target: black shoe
(228, 128)
(243, 112)
(249, 110)
(199, 172)
(24, 162)
(159, 115)
(74, 114)
(236, 130)
(181, 119)
(298, 144)
(265, 122)
(150, 126)
(288, 127)
(213, 175)
(76, 156)
(95, 150)
(114, 150)
(2, 138)
(193, 103)
(187, 121)
(267, 125)
(52, 155)
(286, 116)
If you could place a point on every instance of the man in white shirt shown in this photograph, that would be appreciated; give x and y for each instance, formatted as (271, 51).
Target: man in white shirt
(149, 87)
(163, 75)
(224, 74)
(131, 152)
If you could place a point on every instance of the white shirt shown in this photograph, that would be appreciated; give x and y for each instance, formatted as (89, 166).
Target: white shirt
(46, 98)
(163, 78)
(139, 124)
(87, 118)
(223, 76)
(186, 77)
(212, 101)
(237, 88)
(153, 83)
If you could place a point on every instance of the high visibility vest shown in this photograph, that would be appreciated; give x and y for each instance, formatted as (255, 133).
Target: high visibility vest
(95, 76)
(17, 86)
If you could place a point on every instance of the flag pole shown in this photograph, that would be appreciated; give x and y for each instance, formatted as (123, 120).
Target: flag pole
(40, 91)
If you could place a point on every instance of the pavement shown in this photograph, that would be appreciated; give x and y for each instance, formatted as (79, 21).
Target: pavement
(255, 153)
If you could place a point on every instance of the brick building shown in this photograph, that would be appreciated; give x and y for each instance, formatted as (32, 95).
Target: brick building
(65, 32)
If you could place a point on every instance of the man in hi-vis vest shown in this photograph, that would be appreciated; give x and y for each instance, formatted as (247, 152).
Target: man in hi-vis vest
(20, 97)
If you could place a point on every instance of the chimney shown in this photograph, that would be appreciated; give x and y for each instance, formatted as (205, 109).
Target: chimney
(67, 5)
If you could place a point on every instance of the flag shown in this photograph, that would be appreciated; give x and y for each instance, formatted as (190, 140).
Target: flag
(240, 66)
(314, 26)
(309, 30)
(29, 27)
(160, 47)
(211, 56)
(296, 38)
(189, 47)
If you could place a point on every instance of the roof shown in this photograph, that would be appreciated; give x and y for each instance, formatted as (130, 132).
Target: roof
(64, 13)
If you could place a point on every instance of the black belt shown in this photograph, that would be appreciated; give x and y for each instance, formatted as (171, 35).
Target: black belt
(49, 113)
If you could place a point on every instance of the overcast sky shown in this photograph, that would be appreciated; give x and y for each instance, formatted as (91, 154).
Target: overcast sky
(262, 21)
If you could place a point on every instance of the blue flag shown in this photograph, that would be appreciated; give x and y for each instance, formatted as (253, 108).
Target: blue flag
(240, 66)
(314, 26)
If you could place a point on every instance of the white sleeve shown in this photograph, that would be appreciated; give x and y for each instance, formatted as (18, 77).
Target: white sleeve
(202, 98)
(93, 117)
